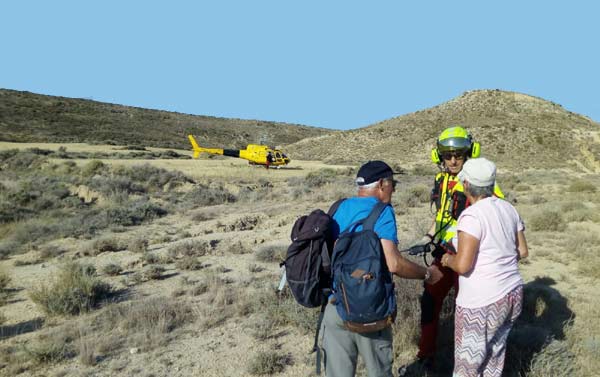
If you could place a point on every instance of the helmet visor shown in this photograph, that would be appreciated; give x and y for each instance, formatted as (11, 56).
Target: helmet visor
(453, 144)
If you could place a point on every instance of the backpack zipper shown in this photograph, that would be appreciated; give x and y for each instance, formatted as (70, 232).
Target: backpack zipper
(345, 298)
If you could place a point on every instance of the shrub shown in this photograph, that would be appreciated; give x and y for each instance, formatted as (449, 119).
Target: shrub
(107, 243)
(247, 222)
(112, 269)
(581, 186)
(270, 253)
(269, 362)
(92, 168)
(321, 177)
(8, 248)
(188, 263)
(150, 258)
(146, 323)
(74, 290)
(203, 195)
(189, 248)
(283, 310)
(154, 179)
(51, 348)
(4, 280)
(134, 213)
(546, 220)
(239, 248)
(254, 268)
(39, 229)
(138, 245)
(50, 251)
(153, 272)
(114, 185)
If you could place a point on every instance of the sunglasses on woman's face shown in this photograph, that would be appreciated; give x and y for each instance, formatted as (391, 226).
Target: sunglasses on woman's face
(456, 155)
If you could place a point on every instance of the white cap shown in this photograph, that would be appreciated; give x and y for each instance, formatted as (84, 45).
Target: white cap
(480, 172)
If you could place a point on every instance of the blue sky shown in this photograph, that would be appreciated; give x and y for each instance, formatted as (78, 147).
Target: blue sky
(334, 64)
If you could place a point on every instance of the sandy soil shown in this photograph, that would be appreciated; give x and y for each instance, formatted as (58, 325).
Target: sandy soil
(225, 350)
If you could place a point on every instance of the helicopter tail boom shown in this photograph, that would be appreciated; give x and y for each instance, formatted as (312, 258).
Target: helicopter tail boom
(198, 149)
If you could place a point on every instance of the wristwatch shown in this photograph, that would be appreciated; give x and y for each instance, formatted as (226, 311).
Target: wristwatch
(427, 275)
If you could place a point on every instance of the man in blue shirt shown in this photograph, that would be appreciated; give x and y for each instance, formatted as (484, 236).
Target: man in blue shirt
(341, 346)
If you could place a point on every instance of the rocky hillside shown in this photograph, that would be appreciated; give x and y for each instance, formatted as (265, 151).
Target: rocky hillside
(29, 117)
(516, 130)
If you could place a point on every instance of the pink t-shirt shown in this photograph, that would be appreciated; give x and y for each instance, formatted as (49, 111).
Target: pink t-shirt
(495, 223)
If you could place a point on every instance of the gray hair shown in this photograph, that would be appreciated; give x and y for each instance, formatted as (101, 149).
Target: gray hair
(478, 191)
(369, 186)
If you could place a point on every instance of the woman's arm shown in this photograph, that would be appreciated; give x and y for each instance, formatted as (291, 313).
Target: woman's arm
(462, 261)
(522, 245)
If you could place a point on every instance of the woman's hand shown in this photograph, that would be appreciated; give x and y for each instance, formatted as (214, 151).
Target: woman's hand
(447, 259)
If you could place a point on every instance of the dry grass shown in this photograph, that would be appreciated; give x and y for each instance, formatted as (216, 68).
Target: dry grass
(269, 362)
(224, 286)
(74, 290)
(138, 245)
(5, 280)
(271, 253)
(112, 269)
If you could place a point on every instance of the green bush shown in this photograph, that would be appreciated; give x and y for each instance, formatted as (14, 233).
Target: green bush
(270, 253)
(51, 349)
(321, 177)
(153, 272)
(546, 220)
(154, 179)
(134, 213)
(8, 248)
(107, 243)
(189, 249)
(203, 195)
(74, 290)
(581, 186)
(93, 167)
(188, 263)
(112, 269)
(4, 280)
(269, 363)
(138, 245)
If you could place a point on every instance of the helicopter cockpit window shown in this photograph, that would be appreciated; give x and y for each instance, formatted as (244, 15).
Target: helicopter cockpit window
(278, 155)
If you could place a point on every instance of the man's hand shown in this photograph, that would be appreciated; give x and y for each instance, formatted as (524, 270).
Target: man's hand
(435, 276)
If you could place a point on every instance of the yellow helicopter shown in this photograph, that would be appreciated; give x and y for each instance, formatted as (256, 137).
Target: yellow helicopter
(254, 153)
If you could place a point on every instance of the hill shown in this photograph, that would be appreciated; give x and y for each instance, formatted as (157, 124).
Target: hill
(517, 130)
(29, 117)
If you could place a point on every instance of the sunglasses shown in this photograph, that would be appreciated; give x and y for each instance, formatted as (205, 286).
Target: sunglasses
(456, 155)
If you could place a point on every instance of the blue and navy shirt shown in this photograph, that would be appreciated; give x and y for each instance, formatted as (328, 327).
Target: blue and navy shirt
(358, 208)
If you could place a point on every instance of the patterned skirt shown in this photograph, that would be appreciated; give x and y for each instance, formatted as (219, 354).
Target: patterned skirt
(480, 336)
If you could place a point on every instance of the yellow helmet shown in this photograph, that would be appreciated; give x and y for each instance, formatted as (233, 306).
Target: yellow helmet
(455, 139)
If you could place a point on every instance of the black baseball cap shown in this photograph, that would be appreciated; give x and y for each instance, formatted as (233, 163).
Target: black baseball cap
(373, 171)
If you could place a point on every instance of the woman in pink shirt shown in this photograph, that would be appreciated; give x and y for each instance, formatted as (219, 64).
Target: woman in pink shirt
(490, 241)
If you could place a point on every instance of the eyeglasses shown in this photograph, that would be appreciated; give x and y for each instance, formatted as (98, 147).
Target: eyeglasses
(456, 155)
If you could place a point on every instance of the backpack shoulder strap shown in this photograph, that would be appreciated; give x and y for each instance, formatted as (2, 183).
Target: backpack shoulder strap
(369, 222)
(334, 207)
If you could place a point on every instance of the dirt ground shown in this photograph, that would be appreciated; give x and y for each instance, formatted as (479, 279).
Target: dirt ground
(227, 349)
